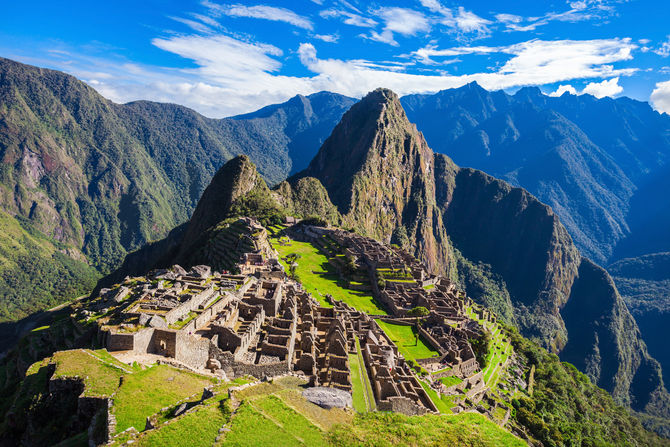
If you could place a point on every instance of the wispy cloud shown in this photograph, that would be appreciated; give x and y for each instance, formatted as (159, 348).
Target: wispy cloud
(406, 22)
(579, 11)
(331, 38)
(262, 12)
(234, 76)
(349, 18)
(459, 19)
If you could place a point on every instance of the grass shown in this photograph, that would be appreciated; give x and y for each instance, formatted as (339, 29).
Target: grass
(281, 425)
(358, 388)
(197, 429)
(100, 378)
(181, 323)
(389, 429)
(275, 409)
(363, 397)
(499, 350)
(145, 392)
(442, 405)
(450, 380)
(404, 337)
(319, 278)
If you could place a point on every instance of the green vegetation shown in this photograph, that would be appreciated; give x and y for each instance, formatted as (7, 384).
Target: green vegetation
(363, 397)
(34, 274)
(145, 392)
(450, 380)
(408, 345)
(567, 409)
(100, 378)
(389, 429)
(197, 429)
(320, 279)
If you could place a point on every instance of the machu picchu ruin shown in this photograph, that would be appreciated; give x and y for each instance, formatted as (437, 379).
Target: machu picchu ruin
(257, 320)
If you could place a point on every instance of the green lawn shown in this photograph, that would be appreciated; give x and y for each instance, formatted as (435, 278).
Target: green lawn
(197, 429)
(100, 377)
(268, 422)
(404, 338)
(358, 388)
(146, 392)
(319, 278)
(439, 403)
(363, 397)
(450, 380)
(389, 429)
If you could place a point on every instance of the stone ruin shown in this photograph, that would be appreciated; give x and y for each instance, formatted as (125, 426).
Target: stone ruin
(261, 323)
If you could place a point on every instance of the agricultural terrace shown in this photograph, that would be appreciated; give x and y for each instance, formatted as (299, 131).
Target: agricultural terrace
(363, 397)
(499, 350)
(319, 278)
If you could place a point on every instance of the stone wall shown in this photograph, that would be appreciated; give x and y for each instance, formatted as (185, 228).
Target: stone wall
(119, 342)
(192, 351)
(163, 342)
(402, 405)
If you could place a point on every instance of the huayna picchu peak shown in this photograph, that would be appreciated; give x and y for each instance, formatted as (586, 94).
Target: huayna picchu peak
(313, 273)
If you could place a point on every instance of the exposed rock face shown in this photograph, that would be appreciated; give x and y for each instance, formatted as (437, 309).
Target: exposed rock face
(328, 397)
(523, 240)
(384, 179)
(605, 342)
(234, 180)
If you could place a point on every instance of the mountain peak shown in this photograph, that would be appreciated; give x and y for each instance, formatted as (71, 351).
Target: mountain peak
(374, 128)
(234, 179)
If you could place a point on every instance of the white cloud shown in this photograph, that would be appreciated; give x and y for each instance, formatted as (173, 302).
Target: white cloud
(660, 97)
(664, 49)
(233, 76)
(427, 53)
(562, 89)
(407, 22)
(194, 25)
(331, 38)
(579, 11)
(508, 18)
(460, 20)
(350, 18)
(608, 87)
(262, 12)
(469, 22)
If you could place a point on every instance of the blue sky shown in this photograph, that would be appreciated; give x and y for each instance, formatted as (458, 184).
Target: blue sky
(224, 58)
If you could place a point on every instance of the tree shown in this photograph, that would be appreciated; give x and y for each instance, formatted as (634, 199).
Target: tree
(292, 260)
(420, 312)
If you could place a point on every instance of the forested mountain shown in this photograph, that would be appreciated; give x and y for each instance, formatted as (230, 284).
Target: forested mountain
(99, 179)
(589, 159)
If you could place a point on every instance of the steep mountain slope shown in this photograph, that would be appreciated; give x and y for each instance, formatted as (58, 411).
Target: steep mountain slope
(104, 179)
(382, 177)
(582, 156)
(644, 283)
(382, 182)
(236, 190)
